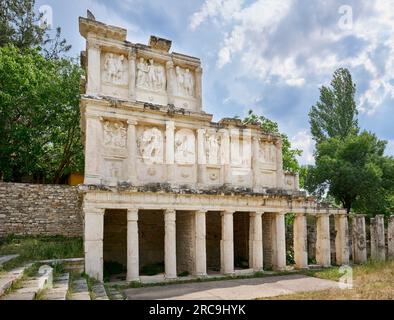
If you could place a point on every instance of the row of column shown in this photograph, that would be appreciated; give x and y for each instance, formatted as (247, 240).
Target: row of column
(377, 239)
(94, 230)
(323, 244)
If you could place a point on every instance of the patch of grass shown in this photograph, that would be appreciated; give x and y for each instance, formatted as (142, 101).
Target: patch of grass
(329, 273)
(40, 295)
(90, 282)
(371, 281)
(39, 248)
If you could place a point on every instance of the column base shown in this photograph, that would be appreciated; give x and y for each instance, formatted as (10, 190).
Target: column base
(134, 280)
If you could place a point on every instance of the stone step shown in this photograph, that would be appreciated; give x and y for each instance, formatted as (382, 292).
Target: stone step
(60, 288)
(4, 259)
(115, 294)
(28, 291)
(8, 278)
(99, 292)
(80, 290)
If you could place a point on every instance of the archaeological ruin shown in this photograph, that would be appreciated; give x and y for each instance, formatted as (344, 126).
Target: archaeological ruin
(164, 184)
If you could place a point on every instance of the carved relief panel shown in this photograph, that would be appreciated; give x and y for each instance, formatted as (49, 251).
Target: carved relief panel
(115, 134)
(150, 146)
(212, 148)
(185, 82)
(115, 69)
(267, 153)
(150, 75)
(185, 147)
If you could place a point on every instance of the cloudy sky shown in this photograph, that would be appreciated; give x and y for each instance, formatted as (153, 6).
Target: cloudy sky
(267, 55)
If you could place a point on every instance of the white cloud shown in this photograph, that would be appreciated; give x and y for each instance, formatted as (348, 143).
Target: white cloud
(303, 140)
(214, 8)
(260, 42)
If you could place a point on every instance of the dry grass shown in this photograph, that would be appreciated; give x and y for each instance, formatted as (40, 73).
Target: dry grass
(373, 281)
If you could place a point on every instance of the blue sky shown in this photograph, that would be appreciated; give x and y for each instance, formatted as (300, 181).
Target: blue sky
(267, 55)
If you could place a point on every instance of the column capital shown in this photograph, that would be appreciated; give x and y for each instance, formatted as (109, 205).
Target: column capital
(170, 215)
(201, 211)
(257, 213)
(94, 211)
(170, 64)
(300, 214)
(132, 214)
(322, 215)
(131, 122)
(227, 212)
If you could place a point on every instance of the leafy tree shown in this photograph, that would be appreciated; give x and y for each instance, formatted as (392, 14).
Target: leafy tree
(290, 162)
(355, 172)
(39, 116)
(335, 115)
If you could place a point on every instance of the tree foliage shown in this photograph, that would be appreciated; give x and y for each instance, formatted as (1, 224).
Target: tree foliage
(335, 114)
(355, 172)
(39, 116)
(290, 162)
(350, 166)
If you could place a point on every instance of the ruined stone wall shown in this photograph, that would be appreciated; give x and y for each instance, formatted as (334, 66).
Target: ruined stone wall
(267, 240)
(241, 239)
(151, 237)
(213, 231)
(28, 209)
(115, 236)
(185, 235)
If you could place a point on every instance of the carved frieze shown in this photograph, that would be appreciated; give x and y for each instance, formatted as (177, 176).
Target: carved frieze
(185, 147)
(185, 82)
(150, 75)
(115, 134)
(150, 145)
(115, 69)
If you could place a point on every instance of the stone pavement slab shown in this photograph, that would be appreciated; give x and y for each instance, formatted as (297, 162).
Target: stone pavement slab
(80, 290)
(4, 259)
(242, 289)
(99, 292)
(60, 288)
(7, 279)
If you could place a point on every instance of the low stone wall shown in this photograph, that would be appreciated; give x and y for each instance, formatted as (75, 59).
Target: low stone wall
(28, 209)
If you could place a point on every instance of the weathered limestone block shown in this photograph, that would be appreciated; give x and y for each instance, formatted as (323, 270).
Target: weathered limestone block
(279, 242)
(378, 245)
(323, 255)
(390, 236)
(227, 243)
(359, 239)
(200, 244)
(256, 241)
(300, 241)
(132, 246)
(170, 244)
(342, 240)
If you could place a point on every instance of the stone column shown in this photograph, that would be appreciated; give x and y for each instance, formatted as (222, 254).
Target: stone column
(93, 144)
(390, 236)
(359, 239)
(170, 244)
(227, 243)
(132, 246)
(342, 239)
(200, 244)
(170, 149)
(94, 68)
(323, 252)
(198, 75)
(171, 83)
(279, 242)
(132, 75)
(94, 235)
(378, 245)
(300, 241)
(256, 241)
(132, 151)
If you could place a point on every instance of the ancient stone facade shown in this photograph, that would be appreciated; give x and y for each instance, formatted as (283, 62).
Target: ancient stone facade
(27, 209)
(196, 196)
